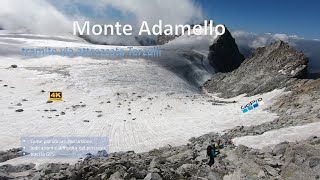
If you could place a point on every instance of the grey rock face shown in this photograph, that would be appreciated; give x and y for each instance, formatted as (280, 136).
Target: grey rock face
(280, 148)
(10, 154)
(15, 169)
(163, 39)
(153, 176)
(4, 176)
(269, 68)
(224, 54)
(302, 161)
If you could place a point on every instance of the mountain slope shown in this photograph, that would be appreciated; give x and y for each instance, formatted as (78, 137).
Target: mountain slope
(269, 68)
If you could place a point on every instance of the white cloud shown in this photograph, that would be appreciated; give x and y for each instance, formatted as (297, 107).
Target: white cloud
(49, 16)
(173, 12)
(35, 16)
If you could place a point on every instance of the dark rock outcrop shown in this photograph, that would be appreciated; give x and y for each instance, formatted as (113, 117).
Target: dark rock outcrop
(164, 39)
(271, 67)
(224, 54)
(4, 176)
(10, 154)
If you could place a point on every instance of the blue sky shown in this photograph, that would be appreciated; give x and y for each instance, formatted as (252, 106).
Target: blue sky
(291, 17)
(276, 16)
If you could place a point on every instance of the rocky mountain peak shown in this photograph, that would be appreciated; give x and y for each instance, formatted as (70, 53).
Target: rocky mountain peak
(268, 68)
(279, 54)
(224, 54)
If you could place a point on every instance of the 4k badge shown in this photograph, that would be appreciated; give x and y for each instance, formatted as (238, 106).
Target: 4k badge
(55, 96)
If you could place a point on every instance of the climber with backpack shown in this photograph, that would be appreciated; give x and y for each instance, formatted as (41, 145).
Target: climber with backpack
(212, 152)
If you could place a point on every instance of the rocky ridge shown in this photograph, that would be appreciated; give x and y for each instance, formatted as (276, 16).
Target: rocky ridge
(295, 160)
(10, 154)
(275, 66)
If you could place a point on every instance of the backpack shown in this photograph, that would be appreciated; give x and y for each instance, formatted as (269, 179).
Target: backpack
(214, 152)
(209, 150)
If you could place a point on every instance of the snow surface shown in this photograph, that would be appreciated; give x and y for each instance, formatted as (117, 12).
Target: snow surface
(271, 138)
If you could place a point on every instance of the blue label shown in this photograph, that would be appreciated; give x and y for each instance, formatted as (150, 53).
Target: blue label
(245, 110)
(63, 147)
(252, 105)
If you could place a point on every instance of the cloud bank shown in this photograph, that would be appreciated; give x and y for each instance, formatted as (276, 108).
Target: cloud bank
(36, 16)
(171, 12)
(52, 16)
